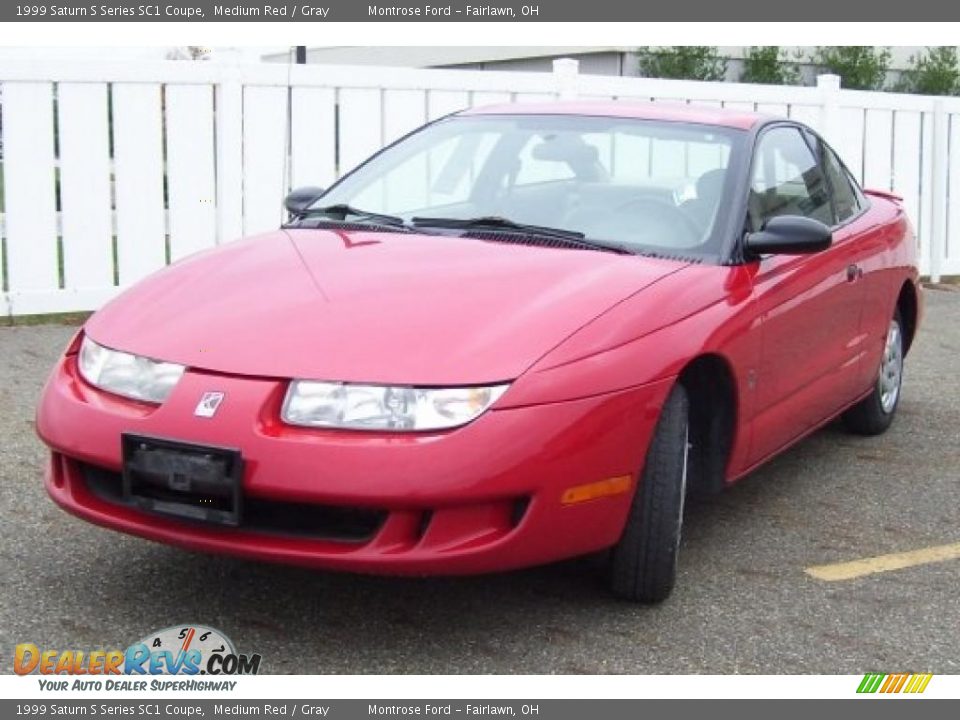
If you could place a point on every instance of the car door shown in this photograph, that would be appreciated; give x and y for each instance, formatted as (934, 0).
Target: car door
(808, 306)
(872, 240)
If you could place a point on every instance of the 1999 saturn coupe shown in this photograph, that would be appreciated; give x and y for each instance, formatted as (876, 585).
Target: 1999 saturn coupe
(519, 334)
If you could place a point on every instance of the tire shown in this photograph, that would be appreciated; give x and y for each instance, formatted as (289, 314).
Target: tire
(643, 565)
(874, 414)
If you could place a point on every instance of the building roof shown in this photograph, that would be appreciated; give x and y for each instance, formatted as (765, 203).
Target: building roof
(452, 55)
(669, 112)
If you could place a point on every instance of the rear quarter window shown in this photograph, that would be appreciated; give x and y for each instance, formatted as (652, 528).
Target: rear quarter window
(846, 199)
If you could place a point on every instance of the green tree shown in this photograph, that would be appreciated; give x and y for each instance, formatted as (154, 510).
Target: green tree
(683, 62)
(769, 65)
(860, 67)
(936, 71)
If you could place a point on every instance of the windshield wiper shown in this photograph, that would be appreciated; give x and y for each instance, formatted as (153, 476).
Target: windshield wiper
(344, 211)
(494, 222)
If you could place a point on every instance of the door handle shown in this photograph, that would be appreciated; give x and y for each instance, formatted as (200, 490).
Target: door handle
(854, 272)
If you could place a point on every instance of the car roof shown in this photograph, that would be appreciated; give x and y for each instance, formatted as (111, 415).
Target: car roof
(666, 111)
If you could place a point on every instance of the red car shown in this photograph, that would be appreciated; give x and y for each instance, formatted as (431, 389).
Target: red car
(518, 334)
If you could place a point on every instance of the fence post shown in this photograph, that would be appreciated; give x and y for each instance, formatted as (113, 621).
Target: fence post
(938, 238)
(829, 86)
(566, 72)
(229, 125)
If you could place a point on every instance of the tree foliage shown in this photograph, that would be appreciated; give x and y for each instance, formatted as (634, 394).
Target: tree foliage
(769, 65)
(683, 62)
(860, 67)
(936, 71)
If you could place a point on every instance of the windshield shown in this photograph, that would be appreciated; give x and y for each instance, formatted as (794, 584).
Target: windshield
(647, 185)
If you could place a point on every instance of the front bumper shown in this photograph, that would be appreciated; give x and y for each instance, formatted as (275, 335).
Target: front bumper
(483, 497)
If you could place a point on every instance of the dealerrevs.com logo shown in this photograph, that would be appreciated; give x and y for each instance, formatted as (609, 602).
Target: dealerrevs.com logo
(892, 683)
(176, 650)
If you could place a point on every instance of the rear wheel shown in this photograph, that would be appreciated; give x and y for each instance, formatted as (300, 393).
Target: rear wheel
(873, 414)
(643, 566)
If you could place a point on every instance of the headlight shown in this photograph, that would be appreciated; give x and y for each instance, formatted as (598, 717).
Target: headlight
(376, 407)
(129, 375)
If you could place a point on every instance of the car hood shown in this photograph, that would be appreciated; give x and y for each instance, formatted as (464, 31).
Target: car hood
(370, 306)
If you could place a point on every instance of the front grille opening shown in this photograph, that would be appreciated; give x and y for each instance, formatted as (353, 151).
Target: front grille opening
(338, 523)
(326, 522)
(153, 490)
(518, 510)
(425, 517)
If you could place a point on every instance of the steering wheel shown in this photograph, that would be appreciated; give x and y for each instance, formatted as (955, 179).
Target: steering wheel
(661, 213)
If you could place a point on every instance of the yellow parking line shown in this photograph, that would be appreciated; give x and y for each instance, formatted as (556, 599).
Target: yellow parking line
(884, 563)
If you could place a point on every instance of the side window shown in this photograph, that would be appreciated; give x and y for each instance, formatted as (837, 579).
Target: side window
(844, 193)
(787, 180)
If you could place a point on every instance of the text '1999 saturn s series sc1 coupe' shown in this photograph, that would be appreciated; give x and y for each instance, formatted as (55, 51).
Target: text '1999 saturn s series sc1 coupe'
(517, 335)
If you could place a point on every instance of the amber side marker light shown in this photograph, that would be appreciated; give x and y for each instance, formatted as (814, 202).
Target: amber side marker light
(594, 490)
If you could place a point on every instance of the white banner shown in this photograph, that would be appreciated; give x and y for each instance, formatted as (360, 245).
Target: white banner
(516, 687)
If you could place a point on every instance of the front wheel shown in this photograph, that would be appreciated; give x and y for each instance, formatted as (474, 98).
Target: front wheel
(873, 414)
(644, 563)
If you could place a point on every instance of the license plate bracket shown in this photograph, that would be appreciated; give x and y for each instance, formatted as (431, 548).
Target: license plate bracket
(184, 480)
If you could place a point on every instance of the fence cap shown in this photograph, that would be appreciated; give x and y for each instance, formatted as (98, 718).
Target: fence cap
(828, 81)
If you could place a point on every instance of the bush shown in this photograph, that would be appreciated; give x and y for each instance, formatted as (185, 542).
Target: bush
(769, 65)
(860, 67)
(683, 62)
(935, 72)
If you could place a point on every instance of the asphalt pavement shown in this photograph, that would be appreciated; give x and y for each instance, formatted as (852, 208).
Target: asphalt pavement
(743, 604)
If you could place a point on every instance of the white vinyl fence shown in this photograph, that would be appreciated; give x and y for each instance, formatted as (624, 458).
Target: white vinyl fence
(110, 171)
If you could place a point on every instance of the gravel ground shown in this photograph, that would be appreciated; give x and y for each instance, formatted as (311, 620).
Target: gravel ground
(743, 603)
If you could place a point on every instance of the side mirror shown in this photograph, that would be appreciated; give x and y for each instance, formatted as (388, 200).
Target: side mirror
(789, 235)
(301, 198)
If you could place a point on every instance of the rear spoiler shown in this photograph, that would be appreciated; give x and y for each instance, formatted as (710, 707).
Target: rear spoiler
(885, 194)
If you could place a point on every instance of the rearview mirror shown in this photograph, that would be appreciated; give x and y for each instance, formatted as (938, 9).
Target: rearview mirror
(302, 198)
(789, 235)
